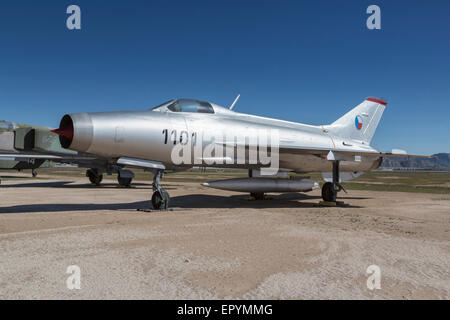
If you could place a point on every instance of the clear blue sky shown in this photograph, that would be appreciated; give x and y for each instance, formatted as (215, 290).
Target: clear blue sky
(304, 61)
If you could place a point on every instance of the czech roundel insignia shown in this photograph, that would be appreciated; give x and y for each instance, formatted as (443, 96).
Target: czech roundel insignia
(358, 122)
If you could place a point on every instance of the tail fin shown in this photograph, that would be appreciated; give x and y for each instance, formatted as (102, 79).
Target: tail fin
(361, 122)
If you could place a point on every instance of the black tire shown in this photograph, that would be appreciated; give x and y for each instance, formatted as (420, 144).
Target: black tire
(327, 192)
(156, 200)
(257, 195)
(96, 180)
(34, 173)
(94, 177)
(124, 182)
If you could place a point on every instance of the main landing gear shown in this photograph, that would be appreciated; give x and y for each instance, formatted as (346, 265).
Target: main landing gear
(330, 189)
(124, 177)
(160, 197)
(95, 177)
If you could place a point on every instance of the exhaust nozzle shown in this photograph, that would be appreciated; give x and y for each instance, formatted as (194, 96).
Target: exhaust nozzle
(75, 132)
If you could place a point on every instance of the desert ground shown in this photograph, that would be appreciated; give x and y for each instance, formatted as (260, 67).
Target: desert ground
(217, 244)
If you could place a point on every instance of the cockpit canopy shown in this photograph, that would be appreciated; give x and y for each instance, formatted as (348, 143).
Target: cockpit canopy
(185, 105)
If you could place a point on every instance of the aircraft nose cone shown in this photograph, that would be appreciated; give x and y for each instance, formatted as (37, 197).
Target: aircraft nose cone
(205, 184)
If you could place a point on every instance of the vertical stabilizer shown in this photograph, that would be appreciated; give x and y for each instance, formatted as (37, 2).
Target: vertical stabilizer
(361, 122)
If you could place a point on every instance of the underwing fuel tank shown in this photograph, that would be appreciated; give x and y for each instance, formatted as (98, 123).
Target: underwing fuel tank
(263, 185)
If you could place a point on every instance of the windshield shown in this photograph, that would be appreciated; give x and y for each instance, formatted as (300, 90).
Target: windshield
(190, 105)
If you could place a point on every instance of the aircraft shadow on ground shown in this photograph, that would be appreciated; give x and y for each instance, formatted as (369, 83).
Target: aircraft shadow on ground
(67, 184)
(140, 185)
(194, 201)
(14, 177)
(190, 201)
(61, 207)
(40, 184)
(286, 200)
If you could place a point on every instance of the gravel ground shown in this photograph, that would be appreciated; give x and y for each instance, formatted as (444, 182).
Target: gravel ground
(218, 244)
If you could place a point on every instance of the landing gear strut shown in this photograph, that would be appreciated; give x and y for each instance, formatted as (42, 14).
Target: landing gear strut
(94, 176)
(160, 197)
(330, 189)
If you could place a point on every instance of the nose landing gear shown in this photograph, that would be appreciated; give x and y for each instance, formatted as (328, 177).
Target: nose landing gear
(160, 197)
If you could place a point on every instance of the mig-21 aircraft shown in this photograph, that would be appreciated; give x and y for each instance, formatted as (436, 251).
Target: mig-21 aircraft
(183, 133)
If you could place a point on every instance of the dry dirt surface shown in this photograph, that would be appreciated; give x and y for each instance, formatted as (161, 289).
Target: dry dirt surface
(218, 244)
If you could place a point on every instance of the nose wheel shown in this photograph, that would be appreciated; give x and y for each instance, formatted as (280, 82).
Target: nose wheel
(160, 197)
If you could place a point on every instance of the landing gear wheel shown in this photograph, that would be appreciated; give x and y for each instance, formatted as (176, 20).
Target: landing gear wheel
(156, 200)
(160, 199)
(257, 195)
(94, 177)
(328, 194)
(34, 173)
(124, 182)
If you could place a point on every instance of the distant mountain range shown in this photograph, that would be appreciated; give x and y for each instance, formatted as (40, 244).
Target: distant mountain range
(440, 161)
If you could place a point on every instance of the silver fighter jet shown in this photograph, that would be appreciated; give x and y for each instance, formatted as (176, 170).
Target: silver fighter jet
(183, 133)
